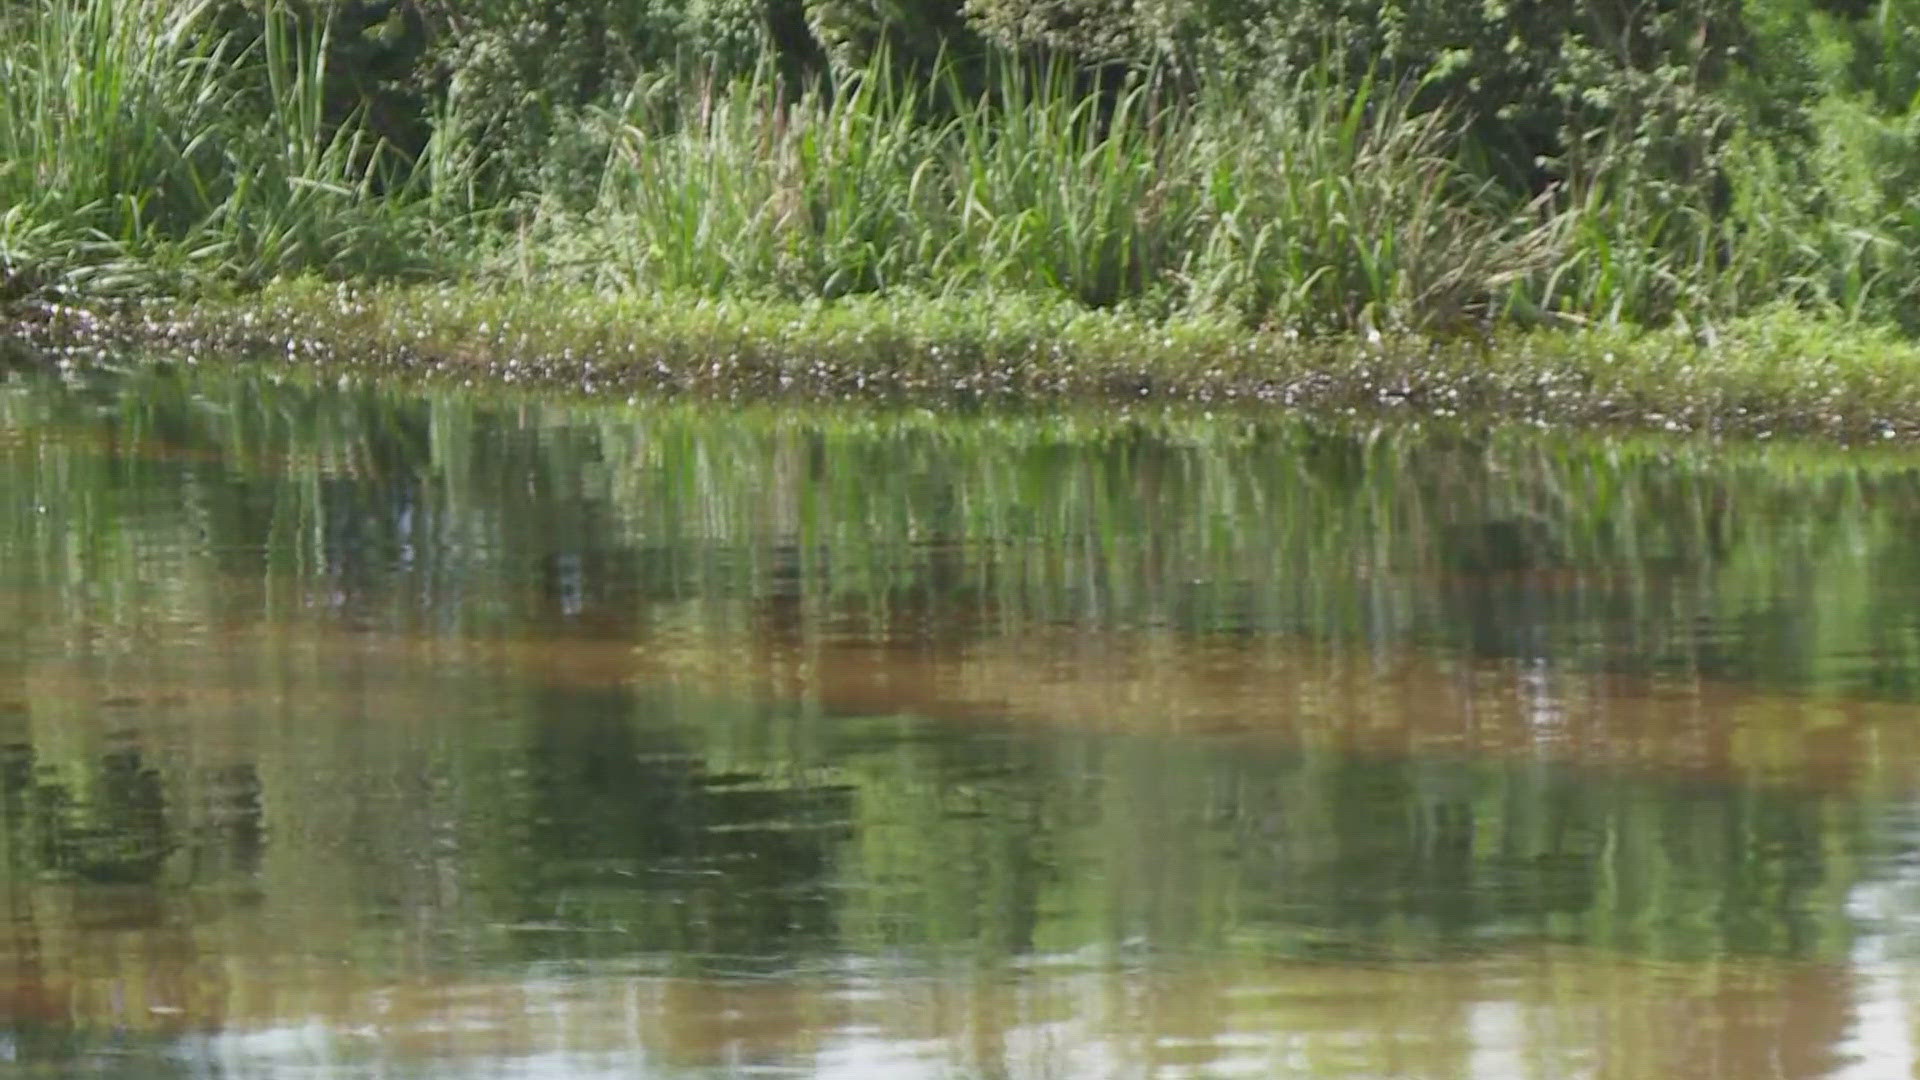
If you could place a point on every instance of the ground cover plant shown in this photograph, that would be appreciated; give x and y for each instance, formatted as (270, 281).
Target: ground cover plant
(1343, 169)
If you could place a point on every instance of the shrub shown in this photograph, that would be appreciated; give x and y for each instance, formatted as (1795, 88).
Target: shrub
(1531, 82)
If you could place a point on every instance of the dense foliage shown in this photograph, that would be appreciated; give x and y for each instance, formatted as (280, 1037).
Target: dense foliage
(1320, 165)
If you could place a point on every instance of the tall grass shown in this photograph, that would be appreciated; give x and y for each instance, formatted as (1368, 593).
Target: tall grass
(741, 187)
(1831, 231)
(1331, 208)
(1309, 205)
(1055, 189)
(145, 149)
(142, 149)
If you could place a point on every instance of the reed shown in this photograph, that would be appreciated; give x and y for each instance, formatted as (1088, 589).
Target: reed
(1333, 209)
(145, 148)
(713, 187)
(1307, 206)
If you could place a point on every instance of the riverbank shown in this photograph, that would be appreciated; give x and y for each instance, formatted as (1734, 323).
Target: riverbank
(1654, 242)
(1775, 373)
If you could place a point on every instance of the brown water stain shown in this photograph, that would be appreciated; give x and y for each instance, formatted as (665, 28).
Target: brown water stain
(1162, 684)
(1406, 703)
(168, 963)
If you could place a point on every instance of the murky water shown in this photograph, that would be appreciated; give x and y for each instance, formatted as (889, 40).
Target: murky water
(346, 733)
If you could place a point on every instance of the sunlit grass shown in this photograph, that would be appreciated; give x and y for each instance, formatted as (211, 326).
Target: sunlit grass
(142, 151)
(1308, 205)
(1774, 372)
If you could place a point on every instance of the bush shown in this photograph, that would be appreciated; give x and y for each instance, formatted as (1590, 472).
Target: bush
(1531, 82)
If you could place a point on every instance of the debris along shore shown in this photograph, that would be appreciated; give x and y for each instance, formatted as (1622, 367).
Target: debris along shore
(1779, 373)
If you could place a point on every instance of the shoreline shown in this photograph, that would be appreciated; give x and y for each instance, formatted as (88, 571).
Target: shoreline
(1781, 373)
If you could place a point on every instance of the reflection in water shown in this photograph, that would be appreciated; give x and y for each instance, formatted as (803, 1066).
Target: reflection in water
(372, 735)
(118, 835)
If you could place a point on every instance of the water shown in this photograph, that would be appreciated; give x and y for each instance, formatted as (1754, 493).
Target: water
(348, 733)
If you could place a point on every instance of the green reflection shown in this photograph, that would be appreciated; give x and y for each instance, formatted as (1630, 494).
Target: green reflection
(435, 688)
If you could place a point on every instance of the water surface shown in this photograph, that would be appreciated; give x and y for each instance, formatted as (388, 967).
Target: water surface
(356, 733)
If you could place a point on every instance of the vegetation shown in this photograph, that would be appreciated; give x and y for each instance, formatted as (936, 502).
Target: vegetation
(1770, 373)
(1359, 166)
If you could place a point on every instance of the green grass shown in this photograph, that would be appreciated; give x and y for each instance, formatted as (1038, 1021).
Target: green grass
(1307, 206)
(143, 151)
(1312, 237)
(1776, 372)
(147, 151)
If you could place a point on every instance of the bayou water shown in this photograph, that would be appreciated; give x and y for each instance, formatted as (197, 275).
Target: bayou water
(348, 732)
